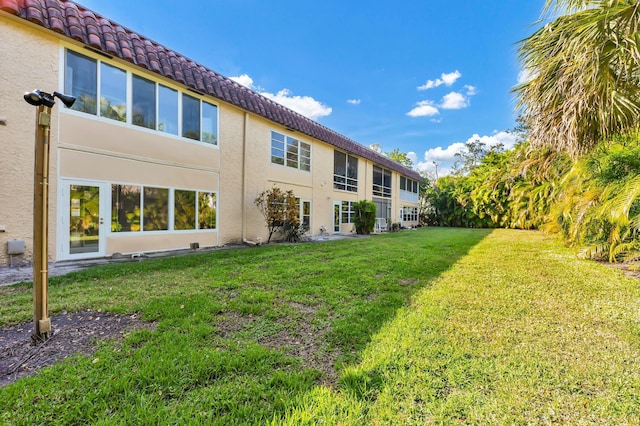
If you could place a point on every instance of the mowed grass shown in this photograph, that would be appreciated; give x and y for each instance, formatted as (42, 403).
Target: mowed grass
(435, 326)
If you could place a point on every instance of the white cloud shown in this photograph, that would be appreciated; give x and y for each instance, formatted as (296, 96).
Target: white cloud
(243, 79)
(471, 90)
(413, 157)
(353, 101)
(424, 109)
(454, 100)
(445, 78)
(304, 105)
(446, 157)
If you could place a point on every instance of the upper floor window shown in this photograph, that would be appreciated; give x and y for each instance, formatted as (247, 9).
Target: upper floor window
(150, 104)
(291, 152)
(113, 92)
(408, 189)
(345, 172)
(381, 182)
(81, 82)
(408, 185)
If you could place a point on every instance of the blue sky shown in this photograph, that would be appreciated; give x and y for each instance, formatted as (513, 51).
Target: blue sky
(423, 76)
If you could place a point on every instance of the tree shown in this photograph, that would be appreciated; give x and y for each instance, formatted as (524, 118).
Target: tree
(279, 209)
(400, 157)
(472, 155)
(584, 80)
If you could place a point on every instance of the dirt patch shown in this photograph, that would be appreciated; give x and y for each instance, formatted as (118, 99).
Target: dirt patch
(628, 269)
(304, 342)
(77, 333)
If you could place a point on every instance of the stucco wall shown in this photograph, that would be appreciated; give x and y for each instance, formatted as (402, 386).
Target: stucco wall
(88, 148)
(29, 61)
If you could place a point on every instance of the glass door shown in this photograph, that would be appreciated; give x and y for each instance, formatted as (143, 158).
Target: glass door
(83, 222)
(337, 217)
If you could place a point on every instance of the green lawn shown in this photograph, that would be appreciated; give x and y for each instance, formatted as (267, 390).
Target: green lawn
(435, 326)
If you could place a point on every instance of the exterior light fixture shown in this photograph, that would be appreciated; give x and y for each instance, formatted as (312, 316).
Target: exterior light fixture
(44, 101)
(37, 98)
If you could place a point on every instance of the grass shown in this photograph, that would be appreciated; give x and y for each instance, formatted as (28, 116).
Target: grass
(436, 326)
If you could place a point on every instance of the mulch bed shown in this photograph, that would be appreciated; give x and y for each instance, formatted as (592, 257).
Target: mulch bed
(73, 333)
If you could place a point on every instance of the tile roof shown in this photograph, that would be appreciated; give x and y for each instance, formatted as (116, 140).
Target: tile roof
(76, 22)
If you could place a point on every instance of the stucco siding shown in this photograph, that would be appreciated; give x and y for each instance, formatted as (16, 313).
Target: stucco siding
(29, 61)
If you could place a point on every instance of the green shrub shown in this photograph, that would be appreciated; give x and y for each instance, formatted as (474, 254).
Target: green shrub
(364, 216)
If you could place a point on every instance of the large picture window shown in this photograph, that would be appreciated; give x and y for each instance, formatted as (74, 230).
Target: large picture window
(381, 182)
(345, 172)
(149, 104)
(291, 152)
(135, 208)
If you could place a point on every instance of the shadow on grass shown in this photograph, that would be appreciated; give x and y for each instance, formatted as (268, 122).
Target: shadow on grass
(341, 292)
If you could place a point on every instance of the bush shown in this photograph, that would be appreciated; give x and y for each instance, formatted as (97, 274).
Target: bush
(364, 216)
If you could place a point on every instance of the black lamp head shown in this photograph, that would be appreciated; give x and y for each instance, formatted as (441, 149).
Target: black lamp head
(67, 100)
(38, 98)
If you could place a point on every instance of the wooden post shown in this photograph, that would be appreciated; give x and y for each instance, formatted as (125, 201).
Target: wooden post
(42, 323)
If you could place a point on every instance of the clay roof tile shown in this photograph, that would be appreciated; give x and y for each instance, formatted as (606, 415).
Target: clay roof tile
(10, 6)
(81, 24)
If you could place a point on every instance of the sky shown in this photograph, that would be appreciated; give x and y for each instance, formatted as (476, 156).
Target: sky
(422, 76)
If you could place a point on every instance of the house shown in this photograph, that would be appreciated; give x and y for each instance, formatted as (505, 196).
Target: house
(159, 152)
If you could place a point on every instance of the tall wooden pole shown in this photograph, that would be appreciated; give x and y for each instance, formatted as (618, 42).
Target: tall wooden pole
(42, 323)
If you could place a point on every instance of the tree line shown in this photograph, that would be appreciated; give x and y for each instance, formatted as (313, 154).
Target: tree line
(576, 171)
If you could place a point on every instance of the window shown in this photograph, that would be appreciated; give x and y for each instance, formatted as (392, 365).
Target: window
(408, 185)
(209, 123)
(381, 182)
(408, 190)
(298, 153)
(207, 204)
(292, 153)
(144, 102)
(409, 214)
(191, 209)
(345, 172)
(184, 210)
(156, 209)
(167, 110)
(81, 77)
(190, 117)
(150, 105)
(113, 93)
(347, 212)
(277, 148)
(304, 213)
(125, 208)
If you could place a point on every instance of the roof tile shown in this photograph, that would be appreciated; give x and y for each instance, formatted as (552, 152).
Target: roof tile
(81, 24)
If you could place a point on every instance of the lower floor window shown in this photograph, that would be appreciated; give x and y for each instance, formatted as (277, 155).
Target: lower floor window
(136, 208)
(347, 212)
(409, 214)
(304, 207)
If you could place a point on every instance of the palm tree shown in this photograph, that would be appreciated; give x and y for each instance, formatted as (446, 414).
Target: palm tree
(585, 74)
